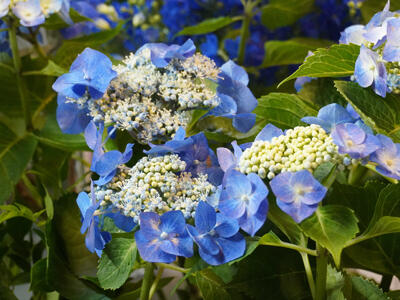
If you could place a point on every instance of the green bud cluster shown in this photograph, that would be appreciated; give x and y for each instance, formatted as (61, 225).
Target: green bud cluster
(299, 148)
(156, 184)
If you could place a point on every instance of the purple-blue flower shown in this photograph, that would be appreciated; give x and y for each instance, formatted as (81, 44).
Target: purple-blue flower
(244, 197)
(90, 72)
(217, 236)
(387, 158)
(352, 140)
(391, 52)
(161, 54)
(104, 163)
(95, 239)
(237, 101)
(329, 116)
(297, 193)
(370, 70)
(162, 239)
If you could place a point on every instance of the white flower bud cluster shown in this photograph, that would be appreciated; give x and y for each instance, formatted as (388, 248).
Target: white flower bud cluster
(152, 103)
(156, 184)
(299, 148)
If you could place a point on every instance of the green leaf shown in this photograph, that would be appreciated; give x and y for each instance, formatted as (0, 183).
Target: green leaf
(280, 13)
(371, 7)
(51, 69)
(321, 92)
(211, 286)
(283, 110)
(16, 210)
(116, 262)
(70, 49)
(55, 22)
(51, 135)
(366, 289)
(334, 284)
(226, 272)
(331, 226)
(207, 26)
(15, 153)
(335, 61)
(49, 205)
(293, 51)
(325, 173)
(381, 114)
(38, 277)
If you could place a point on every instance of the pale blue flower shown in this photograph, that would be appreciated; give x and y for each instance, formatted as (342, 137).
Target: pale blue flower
(352, 140)
(162, 239)
(29, 12)
(370, 70)
(387, 158)
(217, 236)
(391, 52)
(244, 197)
(353, 34)
(297, 193)
(4, 7)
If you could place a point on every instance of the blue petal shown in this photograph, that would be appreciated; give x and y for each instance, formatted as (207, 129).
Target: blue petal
(150, 225)
(226, 159)
(297, 212)
(306, 179)
(123, 222)
(91, 135)
(205, 217)
(252, 223)
(108, 162)
(235, 72)
(68, 84)
(127, 155)
(70, 117)
(231, 207)
(259, 193)
(233, 247)
(150, 250)
(181, 245)
(226, 108)
(281, 188)
(226, 227)
(83, 202)
(173, 222)
(244, 122)
(268, 132)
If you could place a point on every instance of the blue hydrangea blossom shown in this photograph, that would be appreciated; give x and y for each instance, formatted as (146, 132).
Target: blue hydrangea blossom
(387, 158)
(162, 239)
(297, 193)
(217, 236)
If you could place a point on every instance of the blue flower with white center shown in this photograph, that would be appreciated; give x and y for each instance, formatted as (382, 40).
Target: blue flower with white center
(297, 193)
(162, 239)
(161, 54)
(237, 101)
(90, 72)
(370, 70)
(329, 116)
(217, 236)
(104, 163)
(353, 140)
(95, 239)
(29, 12)
(391, 52)
(244, 197)
(387, 158)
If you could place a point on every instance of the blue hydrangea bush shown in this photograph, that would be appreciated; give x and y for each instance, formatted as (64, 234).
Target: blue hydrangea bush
(175, 149)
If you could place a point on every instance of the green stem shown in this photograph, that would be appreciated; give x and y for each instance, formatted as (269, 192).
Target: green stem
(292, 246)
(322, 265)
(310, 278)
(245, 31)
(386, 282)
(356, 174)
(153, 287)
(146, 283)
(173, 267)
(12, 33)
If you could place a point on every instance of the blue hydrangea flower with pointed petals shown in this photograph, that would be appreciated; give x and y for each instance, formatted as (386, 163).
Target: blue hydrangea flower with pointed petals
(95, 239)
(297, 193)
(162, 239)
(244, 197)
(217, 236)
(104, 163)
(370, 70)
(161, 54)
(90, 72)
(329, 116)
(353, 140)
(387, 157)
(237, 101)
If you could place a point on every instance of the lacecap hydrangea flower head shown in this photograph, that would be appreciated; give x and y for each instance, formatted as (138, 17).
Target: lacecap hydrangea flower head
(379, 59)
(160, 192)
(34, 12)
(152, 92)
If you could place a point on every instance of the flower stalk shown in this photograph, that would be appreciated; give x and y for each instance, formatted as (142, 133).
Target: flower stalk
(146, 283)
